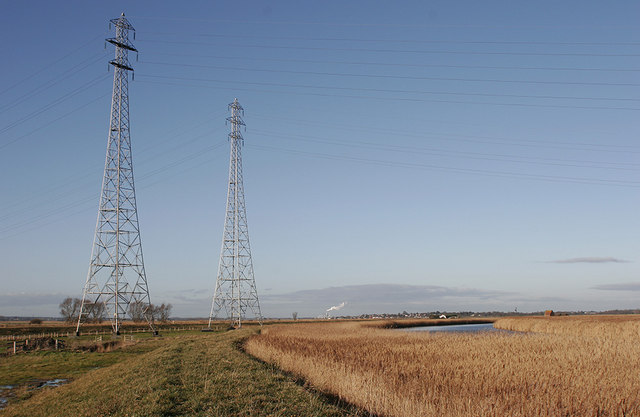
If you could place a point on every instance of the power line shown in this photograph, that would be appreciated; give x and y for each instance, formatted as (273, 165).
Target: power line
(77, 203)
(398, 77)
(64, 196)
(83, 174)
(444, 152)
(46, 67)
(55, 102)
(407, 65)
(16, 139)
(43, 87)
(396, 51)
(383, 90)
(390, 25)
(50, 201)
(184, 159)
(415, 41)
(504, 174)
(406, 99)
(480, 139)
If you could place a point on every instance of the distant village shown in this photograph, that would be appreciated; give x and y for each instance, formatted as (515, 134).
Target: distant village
(466, 314)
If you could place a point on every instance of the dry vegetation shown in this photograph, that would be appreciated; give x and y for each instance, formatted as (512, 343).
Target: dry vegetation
(577, 367)
(614, 327)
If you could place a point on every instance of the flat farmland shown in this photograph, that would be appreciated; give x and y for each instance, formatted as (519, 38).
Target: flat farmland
(555, 366)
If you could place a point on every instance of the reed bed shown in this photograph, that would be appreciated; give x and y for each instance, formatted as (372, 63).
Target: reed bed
(611, 327)
(396, 373)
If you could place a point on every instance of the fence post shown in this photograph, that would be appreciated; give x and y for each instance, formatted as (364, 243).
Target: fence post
(14, 347)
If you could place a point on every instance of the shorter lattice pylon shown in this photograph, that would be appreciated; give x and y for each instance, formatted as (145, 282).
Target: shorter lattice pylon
(235, 291)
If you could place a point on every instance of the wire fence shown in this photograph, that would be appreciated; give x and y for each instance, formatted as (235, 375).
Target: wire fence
(56, 335)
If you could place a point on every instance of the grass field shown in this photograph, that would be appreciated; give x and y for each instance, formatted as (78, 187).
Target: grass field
(191, 374)
(556, 371)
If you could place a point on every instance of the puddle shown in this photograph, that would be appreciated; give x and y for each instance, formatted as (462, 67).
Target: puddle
(4, 400)
(53, 383)
(6, 390)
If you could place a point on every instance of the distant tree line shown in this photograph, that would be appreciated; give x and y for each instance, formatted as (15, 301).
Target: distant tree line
(96, 312)
(70, 310)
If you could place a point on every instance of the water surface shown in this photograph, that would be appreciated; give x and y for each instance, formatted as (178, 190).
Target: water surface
(458, 328)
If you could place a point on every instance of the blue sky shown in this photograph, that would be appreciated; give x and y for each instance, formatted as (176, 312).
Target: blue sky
(399, 156)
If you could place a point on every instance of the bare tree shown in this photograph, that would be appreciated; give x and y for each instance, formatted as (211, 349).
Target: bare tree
(161, 312)
(295, 315)
(138, 310)
(70, 309)
(164, 312)
(95, 312)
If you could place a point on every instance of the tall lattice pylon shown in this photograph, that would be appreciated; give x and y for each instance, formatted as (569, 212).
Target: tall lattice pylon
(116, 282)
(235, 291)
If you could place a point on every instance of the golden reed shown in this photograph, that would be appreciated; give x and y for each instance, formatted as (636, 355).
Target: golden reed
(561, 366)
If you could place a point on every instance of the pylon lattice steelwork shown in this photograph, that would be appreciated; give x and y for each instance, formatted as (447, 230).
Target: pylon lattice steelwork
(235, 290)
(116, 282)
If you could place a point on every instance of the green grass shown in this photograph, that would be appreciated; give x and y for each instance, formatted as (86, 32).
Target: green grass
(190, 374)
(22, 368)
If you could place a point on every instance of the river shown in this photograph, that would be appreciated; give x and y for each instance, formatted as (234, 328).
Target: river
(481, 327)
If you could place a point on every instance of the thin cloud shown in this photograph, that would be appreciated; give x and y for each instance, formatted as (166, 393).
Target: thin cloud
(31, 304)
(589, 260)
(378, 293)
(186, 296)
(24, 299)
(379, 298)
(628, 286)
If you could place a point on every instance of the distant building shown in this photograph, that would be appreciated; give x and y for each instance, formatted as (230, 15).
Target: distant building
(549, 313)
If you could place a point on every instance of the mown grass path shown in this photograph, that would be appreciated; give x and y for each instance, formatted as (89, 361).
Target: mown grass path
(190, 375)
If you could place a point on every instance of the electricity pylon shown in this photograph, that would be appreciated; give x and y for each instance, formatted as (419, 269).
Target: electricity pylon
(235, 290)
(116, 282)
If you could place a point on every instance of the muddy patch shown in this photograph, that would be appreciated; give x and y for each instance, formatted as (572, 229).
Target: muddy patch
(4, 395)
(52, 383)
(9, 392)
